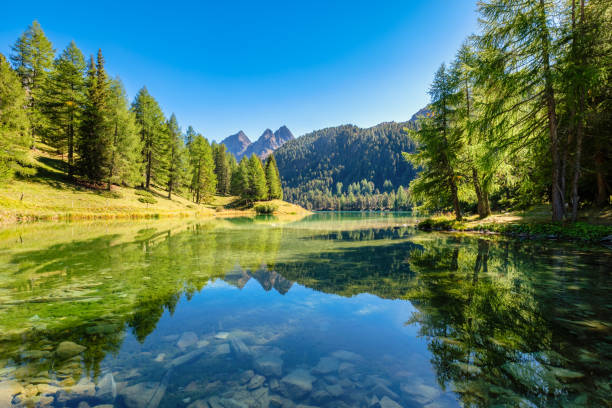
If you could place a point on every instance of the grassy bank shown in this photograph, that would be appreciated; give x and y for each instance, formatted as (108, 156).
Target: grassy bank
(535, 224)
(49, 194)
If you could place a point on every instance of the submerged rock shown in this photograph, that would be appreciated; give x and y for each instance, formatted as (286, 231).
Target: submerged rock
(185, 358)
(269, 364)
(187, 339)
(256, 382)
(106, 388)
(421, 393)
(239, 348)
(326, 365)
(297, 384)
(67, 349)
(387, 402)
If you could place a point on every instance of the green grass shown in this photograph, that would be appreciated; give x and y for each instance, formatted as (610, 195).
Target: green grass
(524, 228)
(48, 193)
(265, 208)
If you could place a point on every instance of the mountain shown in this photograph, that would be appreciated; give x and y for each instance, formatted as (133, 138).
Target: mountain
(240, 145)
(237, 143)
(312, 165)
(269, 142)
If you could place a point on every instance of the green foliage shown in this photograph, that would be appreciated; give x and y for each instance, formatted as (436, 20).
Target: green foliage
(265, 208)
(154, 137)
(14, 123)
(275, 189)
(239, 185)
(312, 166)
(94, 145)
(257, 188)
(222, 169)
(62, 101)
(147, 200)
(176, 155)
(203, 179)
(32, 57)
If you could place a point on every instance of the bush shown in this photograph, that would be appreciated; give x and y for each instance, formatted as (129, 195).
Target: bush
(147, 200)
(110, 194)
(144, 193)
(263, 209)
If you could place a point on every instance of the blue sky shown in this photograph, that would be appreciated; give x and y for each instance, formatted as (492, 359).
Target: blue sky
(222, 66)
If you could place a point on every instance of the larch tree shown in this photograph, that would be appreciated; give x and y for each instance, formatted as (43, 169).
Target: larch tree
(439, 145)
(94, 145)
(176, 155)
(258, 189)
(222, 169)
(239, 185)
(203, 180)
(32, 57)
(63, 99)
(518, 53)
(275, 189)
(14, 122)
(125, 166)
(153, 135)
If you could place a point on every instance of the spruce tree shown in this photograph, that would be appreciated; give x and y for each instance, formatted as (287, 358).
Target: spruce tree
(153, 135)
(275, 189)
(125, 166)
(14, 122)
(63, 99)
(95, 142)
(258, 189)
(176, 155)
(32, 57)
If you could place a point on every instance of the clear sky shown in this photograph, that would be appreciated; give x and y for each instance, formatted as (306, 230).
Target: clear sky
(222, 66)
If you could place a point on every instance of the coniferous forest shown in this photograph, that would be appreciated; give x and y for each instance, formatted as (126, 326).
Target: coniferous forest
(523, 114)
(71, 104)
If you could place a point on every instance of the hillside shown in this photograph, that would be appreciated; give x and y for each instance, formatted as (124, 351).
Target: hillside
(313, 165)
(240, 145)
(50, 195)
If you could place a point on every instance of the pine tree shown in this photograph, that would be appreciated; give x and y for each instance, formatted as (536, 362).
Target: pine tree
(176, 154)
(153, 135)
(14, 123)
(125, 166)
(222, 170)
(439, 146)
(190, 134)
(203, 180)
(275, 189)
(95, 140)
(32, 58)
(258, 189)
(63, 99)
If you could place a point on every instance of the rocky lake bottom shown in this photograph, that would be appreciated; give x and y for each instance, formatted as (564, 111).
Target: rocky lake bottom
(331, 311)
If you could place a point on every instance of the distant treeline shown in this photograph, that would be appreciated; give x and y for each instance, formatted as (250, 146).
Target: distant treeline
(348, 168)
(523, 115)
(74, 107)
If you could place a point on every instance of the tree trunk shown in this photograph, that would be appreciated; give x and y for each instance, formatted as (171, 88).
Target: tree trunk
(170, 188)
(148, 182)
(455, 194)
(549, 96)
(482, 207)
(601, 198)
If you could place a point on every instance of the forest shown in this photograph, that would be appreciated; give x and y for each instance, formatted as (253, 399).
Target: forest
(522, 115)
(348, 168)
(73, 106)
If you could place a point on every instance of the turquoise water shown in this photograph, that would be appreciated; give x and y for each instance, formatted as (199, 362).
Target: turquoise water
(335, 310)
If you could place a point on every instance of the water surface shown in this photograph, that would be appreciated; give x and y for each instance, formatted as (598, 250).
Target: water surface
(336, 310)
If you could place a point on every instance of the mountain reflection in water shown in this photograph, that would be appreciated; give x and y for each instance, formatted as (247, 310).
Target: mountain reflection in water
(332, 311)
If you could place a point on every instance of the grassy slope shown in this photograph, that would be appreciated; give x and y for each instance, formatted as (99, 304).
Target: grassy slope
(49, 195)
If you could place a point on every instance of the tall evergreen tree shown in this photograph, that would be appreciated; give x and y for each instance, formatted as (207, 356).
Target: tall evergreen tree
(203, 180)
(153, 135)
(63, 99)
(14, 123)
(95, 140)
(439, 146)
(239, 185)
(275, 189)
(176, 155)
(32, 57)
(258, 189)
(222, 170)
(124, 158)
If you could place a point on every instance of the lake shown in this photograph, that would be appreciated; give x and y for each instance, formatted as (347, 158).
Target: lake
(334, 310)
